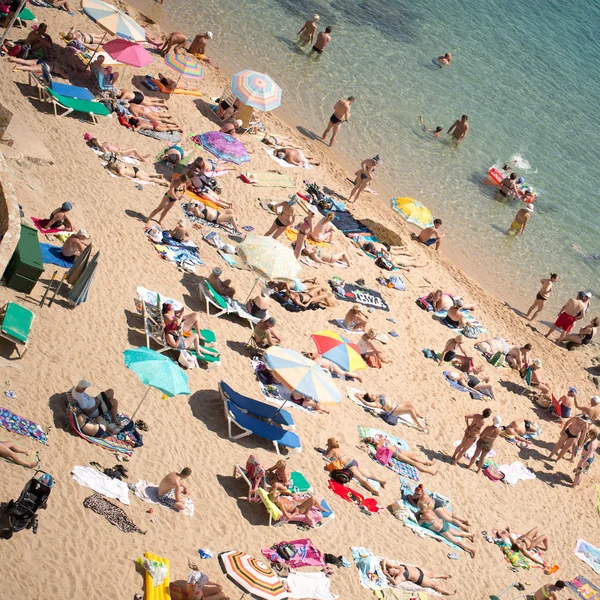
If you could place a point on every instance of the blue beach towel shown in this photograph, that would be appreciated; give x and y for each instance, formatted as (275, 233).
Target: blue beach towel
(370, 573)
(51, 256)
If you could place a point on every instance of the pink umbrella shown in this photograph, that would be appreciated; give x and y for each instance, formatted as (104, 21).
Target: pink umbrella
(128, 53)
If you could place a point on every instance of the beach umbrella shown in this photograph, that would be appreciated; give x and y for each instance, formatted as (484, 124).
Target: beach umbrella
(128, 53)
(185, 64)
(79, 292)
(156, 371)
(269, 258)
(225, 147)
(256, 89)
(252, 576)
(413, 212)
(302, 375)
(113, 21)
(339, 350)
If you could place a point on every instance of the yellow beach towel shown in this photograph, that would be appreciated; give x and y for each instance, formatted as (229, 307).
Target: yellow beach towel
(292, 235)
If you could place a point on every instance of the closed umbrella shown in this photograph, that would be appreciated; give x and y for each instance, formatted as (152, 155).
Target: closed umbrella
(339, 350)
(81, 262)
(256, 89)
(225, 147)
(156, 371)
(252, 576)
(79, 292)
(413, 212)
(128, 53)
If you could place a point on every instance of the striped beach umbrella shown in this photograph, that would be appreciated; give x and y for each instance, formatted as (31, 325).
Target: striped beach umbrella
(184, 64)
(256, 89)
(269, 258)
(225, 147)
(252, 576)
(339, 350)
(413, 212)
(302, 375)
(113, 21)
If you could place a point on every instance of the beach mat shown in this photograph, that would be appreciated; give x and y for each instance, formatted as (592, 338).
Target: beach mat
(13, 422)
(584, 588)
(357, 295)
(272, 180)
(51, 255)
(346, 223)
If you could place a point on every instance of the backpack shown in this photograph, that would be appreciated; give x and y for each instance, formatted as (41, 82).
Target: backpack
(286, 551)
(342, 476)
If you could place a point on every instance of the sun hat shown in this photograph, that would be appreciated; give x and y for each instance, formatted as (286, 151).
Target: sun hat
(209, 35)
(497, 421)
(529, 207)
(88, 136)
(217, 271)
(83, 384)
(595, 399)
(572, 389)
(587, 294)
(537, 362)
(67, 206)
(238, 123)
(83, 233)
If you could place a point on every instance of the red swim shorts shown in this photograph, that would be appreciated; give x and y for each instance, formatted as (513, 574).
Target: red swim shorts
(565, 322)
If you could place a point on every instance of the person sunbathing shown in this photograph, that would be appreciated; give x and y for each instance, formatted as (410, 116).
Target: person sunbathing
(295, 157)
(226, 216)
(429, 520)
(475, 425)
(519, 357)
(203, 185)
(85, 38)
(75, 245)
(173, 482)
(310, 285)
(439, 301)
(430, 236)
(584, 337)
(476, 384)
(328, 365)
(397, 573)
(229, 128)
(306, 299)
(151, 125)
(175, 193)
(183, 331)
(264, 333)
(278, 142)
(180, 233)
(323, 231)
(59, 218)
(137, 98)
(370, 353)
(125, 170)
(334, 453)
(485, 443)
(61, 4)
(173, 155)
(537, 380)
(162, 117)
(104, 405)
(227, 108)
(356, 319)
(110, 76)
(33, 65)
(39, 40)
(96, 144)
(322, 257)
(548, 591)
(404, 456)
(573, 432)
(222, 287)
(494, 345)
(526, 544)
(279, 473)
(518, 428)
(10, 451)
(258, 306)
(423, 501)
(307, 403)
(307, 508)
(382, 403)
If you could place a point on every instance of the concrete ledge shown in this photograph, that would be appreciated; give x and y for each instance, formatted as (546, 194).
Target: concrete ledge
(10, 216)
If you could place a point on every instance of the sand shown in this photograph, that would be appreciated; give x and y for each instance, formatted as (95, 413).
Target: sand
(78, 554)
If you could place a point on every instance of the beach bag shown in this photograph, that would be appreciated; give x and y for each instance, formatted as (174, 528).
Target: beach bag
(187, 360)
(384, 263)
(188, 266)
(15, 50)
(335, 465)
(286, 551)
(384, 454)
(342, 476)
(397, 283)
(155, 234)
(422, 304)
(470, 332)
(493, 473)
(389, 418)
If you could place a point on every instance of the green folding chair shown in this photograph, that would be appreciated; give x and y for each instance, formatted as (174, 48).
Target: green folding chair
(16, 325)
(90, 107)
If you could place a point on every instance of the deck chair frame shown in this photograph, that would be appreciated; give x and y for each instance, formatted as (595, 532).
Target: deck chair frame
(18, 343)
(205, 294)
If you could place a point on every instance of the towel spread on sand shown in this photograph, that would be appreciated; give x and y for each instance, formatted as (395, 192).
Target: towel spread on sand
(109, 442)
(51, 255)
(370, 573)
(352, 293)
(13, 422)
(41, 226)
(199, 221)
(101, 483)
(350, 495)
(306, 554)
(514, 557)
(148, 492)
(353, 394)
(309, 585)
(112, 513)
(584, 588)
(270, 180)
(285, 163)
(462, 388)
(340, 323)
(589, 554)
(515, 472)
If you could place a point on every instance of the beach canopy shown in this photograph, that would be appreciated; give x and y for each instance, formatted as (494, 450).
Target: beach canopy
(413, 212)
(302, 375)
(339, 350)
(128, 53)
(256, 89)
(224, 147)
(113, 21)
(184, 64)
(156, 371)
(252, 576)
(269, 258)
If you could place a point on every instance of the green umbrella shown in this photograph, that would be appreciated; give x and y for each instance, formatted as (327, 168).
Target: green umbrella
(157, 371)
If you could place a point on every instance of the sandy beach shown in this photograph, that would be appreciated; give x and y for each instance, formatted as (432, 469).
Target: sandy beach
(78, 554)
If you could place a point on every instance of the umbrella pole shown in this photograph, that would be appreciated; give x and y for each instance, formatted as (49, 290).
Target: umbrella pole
(12, 21)
(173, 90)
(141, 402)
(278, 411)
(95, 51)
(250, 294)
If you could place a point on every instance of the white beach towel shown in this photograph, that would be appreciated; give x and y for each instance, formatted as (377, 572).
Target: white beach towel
(309, 585)
(340, 323)
(283, 163)
(101, 483)
(151, 298)
(148, 492)
(515, 472)
(352, 394)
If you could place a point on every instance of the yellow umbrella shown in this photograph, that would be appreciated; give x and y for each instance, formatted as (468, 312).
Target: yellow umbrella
(413, 212)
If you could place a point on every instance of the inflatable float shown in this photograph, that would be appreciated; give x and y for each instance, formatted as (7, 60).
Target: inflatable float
(497, 174)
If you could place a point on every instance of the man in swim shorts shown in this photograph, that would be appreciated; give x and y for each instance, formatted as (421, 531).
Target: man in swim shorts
(75, 245)
(323, 40)
(341, 113)
(198, 46)
(307, 33)
(522, 217)
(572, 311)
(460, 127)
(430, 236)
(542, 297)
(171, 482)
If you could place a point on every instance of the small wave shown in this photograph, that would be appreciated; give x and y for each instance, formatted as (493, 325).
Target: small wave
(520, 162)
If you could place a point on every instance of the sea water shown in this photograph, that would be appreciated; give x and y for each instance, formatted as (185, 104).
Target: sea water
(526, 74)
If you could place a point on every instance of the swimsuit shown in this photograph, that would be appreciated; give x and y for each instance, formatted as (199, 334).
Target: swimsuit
(565, 411)
(135, 171)
(333, 119)
(450, 355)
(318, 50)
(570, 435)
(451, 322)
(256, 311)
(586, 339)
(429, 242)
(445, 526)
(473, 381)
(565, 322)
(138, 98)
(540, 297)
(279, 223)
(419, 580)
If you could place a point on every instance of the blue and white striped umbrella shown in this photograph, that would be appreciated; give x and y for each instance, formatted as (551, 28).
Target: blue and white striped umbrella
(112, 20)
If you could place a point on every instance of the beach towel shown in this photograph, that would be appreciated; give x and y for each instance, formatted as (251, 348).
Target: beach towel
(352, 293)
(292, 235)
(469, 318)
(51, 255)
(13, 422)
(515, 472)
(110, 442)
(589, 554)
(346, 223)
(101, 483)
(306, 555)
(270, 179)
(233, 261)
(148, 492)
(354, 497)
(185, 207)
(354, 392)
(475, 395)
(370, 573)
(400, 594)
(151, 298)
(584, 588)
(203, 200)
(112, 513)
(284, 163)
(394, 465)
(340, 323)
(171, 137)
(40, 225)
(364, 432)
(514, 557)
(308, 585)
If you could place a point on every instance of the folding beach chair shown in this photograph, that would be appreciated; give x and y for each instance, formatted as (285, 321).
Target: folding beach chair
(276, 516)
(15, 325)
(100, 80)
(93, 109)
(224, 306)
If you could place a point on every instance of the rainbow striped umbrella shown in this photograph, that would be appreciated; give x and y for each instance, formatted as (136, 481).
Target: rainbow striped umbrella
(339, 350)
(113, 20)
(184, 64)
(302, 375)
(252, 576)
(256, 89)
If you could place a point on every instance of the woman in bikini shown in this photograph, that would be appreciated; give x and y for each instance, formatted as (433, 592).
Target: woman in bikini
(423, 501)
(429, 520)
(173, 155)
(177, 325)
(356, 319)
(304, 230)
(125, 170)
(307, 403)
(141, 124)
(588, 455)
(146, 112)
(396, 573)
(320, 256)
(333, 452)
(84, 38)
(526, 544)
(96, 144)
(225, 216)
(475, 424)
(285, 218)
(404, 456)
(382, 403)
(279, 473)
(485, 443)
(574, 430)
(59, 218)
(308, 509)
(364, 176)
(180, 233)
(175, 193)
(585, 336)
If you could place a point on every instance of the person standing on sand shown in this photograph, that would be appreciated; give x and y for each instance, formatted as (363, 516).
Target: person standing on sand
(285, 218)
(542, 297)
(198, 46)
(171, 482)
(485, 443)
(323, 40)
(475, 424)
(460, 127)
(307, 33)
(522, 217)
(174, 41)
(572, 311)
(341, 114)
(364, 176)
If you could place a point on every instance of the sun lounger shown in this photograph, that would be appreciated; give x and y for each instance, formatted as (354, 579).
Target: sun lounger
(256, 408)
(46, 82)
(224, 306)
(253, 426)
(93, 109)
(15, 325)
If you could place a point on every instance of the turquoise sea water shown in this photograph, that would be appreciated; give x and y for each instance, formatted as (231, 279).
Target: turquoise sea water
(526, 73)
